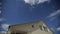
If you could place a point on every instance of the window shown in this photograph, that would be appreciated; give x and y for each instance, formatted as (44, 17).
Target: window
(9, 27)
(45, 28)
(40, 27)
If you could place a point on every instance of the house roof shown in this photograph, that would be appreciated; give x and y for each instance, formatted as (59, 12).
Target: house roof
(24, 23)
(31, 23)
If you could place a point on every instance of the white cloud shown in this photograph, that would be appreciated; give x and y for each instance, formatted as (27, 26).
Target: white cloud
(3, 32)
(52, 29)
(54, 13)
(0, 11)
(53, 18)
(58, 29)
(33, 2)
(0, 3)
(5, 26)
(0, 7)
(2, 19)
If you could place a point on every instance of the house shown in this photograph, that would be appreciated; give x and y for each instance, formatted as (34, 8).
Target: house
(31, 28)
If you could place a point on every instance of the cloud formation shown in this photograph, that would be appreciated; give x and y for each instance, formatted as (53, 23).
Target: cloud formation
(0, 11)
(52, 29)
(53, 18)
(33, 2)
(54, 13)
(5, 26)
(58, 29)
(0, 3)
(2, 19)
(3, 32)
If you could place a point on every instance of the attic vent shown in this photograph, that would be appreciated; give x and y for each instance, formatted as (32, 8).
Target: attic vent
(32, 26)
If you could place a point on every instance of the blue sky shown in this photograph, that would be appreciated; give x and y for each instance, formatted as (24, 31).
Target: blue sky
(19, 12)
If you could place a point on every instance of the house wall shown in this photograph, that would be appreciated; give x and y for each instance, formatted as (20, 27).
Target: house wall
(38, 31)
(28, 28)
(9, 32)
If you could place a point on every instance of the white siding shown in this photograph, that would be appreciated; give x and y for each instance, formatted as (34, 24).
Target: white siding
(40, 32)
